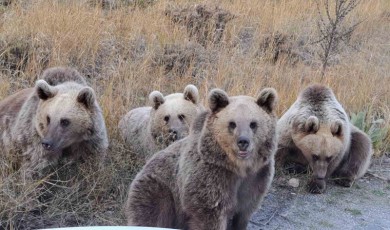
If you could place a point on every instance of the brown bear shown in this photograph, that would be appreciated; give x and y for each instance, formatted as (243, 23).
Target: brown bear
(216, 177)
(51, 121)
(150, 129)
(316, 131)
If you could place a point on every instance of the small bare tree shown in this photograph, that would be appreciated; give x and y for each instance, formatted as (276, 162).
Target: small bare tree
(331, 27)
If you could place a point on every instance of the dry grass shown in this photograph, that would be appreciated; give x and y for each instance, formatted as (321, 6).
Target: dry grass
(127, 51)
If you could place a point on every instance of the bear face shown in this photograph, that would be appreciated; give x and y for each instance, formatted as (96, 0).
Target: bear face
(64, 115)
(244, 126)
(320, 143)
(172, 115)
(316, 131)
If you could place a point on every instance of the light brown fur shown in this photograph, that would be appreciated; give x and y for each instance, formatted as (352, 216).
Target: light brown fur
(212, 179)
(316, 131)
(150, 129)
(45, 123)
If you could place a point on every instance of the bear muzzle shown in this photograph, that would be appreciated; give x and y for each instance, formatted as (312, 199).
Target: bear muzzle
(47, 145)
(173, 135)
(243, 144)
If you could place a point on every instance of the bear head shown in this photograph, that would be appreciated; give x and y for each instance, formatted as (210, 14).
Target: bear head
(320, 142)
(64, 115)
(244, 127)
(173, 114)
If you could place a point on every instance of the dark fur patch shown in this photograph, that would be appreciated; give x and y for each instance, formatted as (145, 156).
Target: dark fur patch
(199, 121)
(218, 99)
(58, 75)
(316, 93)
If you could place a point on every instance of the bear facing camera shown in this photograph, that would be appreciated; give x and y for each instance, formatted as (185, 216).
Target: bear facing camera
(59, 117)
(316, 131)
(217, 176)
(149, 129)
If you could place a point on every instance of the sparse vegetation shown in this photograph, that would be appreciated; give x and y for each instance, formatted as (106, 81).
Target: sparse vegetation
(354, 212)
(332, 29)
(375, 128)
(127, 51)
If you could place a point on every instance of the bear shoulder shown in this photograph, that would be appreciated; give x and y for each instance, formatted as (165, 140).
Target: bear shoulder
(58, 75)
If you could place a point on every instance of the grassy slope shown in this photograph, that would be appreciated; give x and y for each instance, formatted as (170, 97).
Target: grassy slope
(121, 52)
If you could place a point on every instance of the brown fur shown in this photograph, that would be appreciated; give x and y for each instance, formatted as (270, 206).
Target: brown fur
(210, 180)
(316, 131)
(150, 129)
(57, 75)
(45, 123)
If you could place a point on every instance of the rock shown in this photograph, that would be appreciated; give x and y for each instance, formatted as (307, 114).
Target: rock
(293, 182)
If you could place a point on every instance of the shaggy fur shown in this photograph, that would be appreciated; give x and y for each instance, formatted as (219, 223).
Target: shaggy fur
(58, 75)
(217, 176)
(48, 122)
(150, 129)
(316, 131)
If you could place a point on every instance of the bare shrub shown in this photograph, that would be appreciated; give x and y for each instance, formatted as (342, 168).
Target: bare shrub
(332, 28)
(16, 52)
(115, 4)
(204, 24)
(281, 47)
(73, 194)
(178, 60)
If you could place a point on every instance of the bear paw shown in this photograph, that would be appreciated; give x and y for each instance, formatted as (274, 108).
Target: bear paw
(317, 186)
(344, 182)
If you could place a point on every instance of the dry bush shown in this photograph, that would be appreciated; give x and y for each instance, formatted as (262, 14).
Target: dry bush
(332, 27)
(190, 59)
(284, 48)
(204, 24)
(127, 52)
(83, 193)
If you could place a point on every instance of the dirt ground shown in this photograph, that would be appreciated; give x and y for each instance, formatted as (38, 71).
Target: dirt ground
(366, 205)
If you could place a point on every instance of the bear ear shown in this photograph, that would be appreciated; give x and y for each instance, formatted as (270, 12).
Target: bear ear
(218, 99)
(86, 97)
(267, 99)
(191, 94)
(44, 90)
(156, 98)
(336, 128)
(312, 125)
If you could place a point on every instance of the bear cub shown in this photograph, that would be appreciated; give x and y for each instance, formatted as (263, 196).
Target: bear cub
(59, 117)
(150, 129)
(316, 131)
(216, 177)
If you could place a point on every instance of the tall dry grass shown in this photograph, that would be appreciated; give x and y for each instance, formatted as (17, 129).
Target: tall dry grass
(122, 51)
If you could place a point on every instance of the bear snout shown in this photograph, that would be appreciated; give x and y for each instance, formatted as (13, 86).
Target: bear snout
(243, 143)
(47, 144)
(173, 135)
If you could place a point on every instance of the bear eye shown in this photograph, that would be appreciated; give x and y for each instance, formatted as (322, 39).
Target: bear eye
(328, 159)
(253, 125)
(181, 117)
(316, 158)
(48, 119)
(232, 125)
(64, 122)
(166, 118)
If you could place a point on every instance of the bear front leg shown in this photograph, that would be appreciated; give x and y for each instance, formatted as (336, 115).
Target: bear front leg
(150, 203)
(240, 221)
(207, 221)
(291, 160)
(317, 186)
(356, 160)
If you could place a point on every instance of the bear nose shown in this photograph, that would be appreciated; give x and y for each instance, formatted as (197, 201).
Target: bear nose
(47, 145)
(173, 133)
(243, 143)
